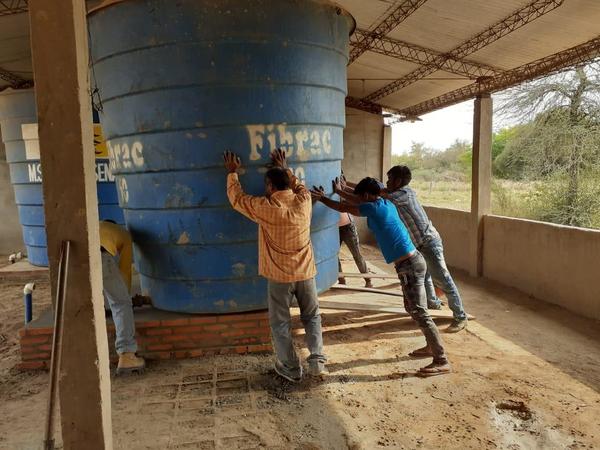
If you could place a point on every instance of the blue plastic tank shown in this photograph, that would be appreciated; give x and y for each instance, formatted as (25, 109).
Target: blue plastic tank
(181, 82)
(18, 122)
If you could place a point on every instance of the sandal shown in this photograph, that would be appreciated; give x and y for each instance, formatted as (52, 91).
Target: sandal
(434, 369)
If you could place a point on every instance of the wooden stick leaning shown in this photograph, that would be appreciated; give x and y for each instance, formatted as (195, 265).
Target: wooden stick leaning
(57, 335)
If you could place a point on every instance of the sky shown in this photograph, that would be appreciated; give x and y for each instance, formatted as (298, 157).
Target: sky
(437, 130)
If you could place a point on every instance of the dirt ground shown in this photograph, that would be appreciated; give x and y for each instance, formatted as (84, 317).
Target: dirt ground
(526, 376)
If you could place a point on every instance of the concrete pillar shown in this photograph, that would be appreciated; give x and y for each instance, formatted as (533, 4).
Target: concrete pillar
(60, 59)
(386, 152)
(11, 238)
(363, 152)
(481, 197)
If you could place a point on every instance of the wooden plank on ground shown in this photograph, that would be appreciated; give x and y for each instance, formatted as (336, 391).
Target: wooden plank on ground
(368, 275)
(352, 306)
(343, 287)
(335, 304)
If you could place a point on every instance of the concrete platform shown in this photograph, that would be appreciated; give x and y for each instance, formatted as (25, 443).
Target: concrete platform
(23, 271)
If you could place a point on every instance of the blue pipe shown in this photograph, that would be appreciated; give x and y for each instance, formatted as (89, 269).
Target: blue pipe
(28, 300)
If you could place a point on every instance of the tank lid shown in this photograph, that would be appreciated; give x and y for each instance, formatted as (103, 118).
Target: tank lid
(95, 5)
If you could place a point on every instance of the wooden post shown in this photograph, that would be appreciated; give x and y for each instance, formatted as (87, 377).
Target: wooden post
(386, 160)
(60, 58)
(481, 197)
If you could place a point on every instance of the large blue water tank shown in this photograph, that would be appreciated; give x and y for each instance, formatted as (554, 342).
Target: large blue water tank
(183, 81)
(18, 122)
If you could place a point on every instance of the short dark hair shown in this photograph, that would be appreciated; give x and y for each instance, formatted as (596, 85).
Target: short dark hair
(368, 185)
(278, 178)
(401, 173)
(110, 221)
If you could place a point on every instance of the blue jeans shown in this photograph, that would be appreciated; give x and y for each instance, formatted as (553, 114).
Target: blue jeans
(280, 297)
(438, 274)
(117, 296)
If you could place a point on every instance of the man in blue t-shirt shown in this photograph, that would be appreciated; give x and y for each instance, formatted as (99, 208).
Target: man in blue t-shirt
(397, 247)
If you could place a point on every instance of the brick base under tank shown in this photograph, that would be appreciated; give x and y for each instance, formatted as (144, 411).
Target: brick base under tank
(164, 335)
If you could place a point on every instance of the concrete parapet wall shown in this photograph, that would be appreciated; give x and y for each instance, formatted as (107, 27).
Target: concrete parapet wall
(453, 225)
(554, 263)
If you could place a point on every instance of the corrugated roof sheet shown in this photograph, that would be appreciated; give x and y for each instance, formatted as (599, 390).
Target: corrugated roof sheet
(439, 25)
(443, 25)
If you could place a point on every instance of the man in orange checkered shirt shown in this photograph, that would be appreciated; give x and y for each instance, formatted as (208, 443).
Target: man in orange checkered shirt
(286, 259)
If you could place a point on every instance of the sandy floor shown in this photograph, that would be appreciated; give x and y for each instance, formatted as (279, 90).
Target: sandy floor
(526, 376)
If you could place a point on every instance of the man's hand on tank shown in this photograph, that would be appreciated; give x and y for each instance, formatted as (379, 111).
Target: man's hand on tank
(278, 158)
(337, 185)
(232, 161)
(317, 193)
(343, 180)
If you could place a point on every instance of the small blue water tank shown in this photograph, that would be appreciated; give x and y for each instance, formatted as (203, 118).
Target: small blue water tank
(183, 81)
(18, 122)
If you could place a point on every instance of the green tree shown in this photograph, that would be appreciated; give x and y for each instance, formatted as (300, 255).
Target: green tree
(559, 142)
(506, 162)
(416, 158)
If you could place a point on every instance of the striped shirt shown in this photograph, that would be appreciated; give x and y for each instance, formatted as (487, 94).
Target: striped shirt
(285, 252)
(413, 215)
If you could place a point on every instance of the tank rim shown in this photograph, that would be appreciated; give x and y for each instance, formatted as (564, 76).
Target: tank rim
(340, 10)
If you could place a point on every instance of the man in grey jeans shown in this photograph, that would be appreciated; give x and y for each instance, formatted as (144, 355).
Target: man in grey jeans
(396, 246)
(428, 241)
(285, 259)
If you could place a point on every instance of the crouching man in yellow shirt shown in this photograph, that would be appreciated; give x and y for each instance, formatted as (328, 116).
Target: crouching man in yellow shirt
(116, 252)
(285, 258)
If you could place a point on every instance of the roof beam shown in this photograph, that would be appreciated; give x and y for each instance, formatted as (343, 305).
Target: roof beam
(391, 21)
(15, 81)
(425, 56)
(516, 20)
(370, 107)
(363, 105)
(8, 7)
(542, 67)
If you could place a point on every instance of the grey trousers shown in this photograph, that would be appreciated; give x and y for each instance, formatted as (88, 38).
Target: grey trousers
(411, 273)
(117, 296)
(280, 297)
(349, 236)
